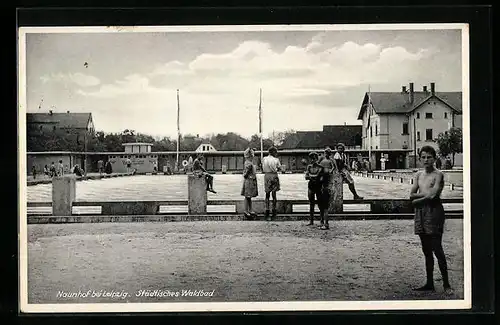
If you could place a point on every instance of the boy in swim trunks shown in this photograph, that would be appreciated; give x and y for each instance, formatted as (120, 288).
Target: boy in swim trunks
(328, 166)
(314, 172)
(429, 216)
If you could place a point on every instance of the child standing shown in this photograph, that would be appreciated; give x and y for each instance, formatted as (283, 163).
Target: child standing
(249, 189)
(429, 216)
(328, 166)
(313, 175)
(271, 166)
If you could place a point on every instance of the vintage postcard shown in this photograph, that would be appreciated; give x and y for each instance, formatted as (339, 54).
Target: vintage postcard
(244, 168)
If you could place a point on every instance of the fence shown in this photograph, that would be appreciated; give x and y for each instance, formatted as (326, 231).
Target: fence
(406, 178)
(64, 207)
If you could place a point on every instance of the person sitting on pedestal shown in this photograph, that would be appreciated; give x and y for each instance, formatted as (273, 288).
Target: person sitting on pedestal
(342, 165)
(200, 171)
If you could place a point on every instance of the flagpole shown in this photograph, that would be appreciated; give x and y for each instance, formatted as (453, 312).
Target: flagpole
(260, 128)
(369, 129)
(178, 130)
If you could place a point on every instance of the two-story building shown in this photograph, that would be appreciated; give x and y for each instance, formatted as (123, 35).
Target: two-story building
(73, 126)
(407, 120)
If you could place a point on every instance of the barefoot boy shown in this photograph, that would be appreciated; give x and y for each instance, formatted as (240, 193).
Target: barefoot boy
(328, 166)
(314, 173)
(429, 216)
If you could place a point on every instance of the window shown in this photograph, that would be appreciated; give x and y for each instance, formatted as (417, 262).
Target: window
(371, 131)
(445, 114)
(418, 135)
(54, 128)
(405, 128)
(428, 135)
(376, 147)
(428, 115)
(418, 115)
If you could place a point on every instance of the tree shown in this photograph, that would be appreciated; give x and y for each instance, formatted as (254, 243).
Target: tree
(255, 142)
(278, 138)
(450, 143)
(128, 136)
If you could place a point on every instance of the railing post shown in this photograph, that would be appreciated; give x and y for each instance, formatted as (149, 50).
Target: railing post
(336, 204)
(63, 195)
(197, 195)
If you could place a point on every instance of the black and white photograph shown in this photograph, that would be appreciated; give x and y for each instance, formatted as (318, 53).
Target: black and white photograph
(244, 168)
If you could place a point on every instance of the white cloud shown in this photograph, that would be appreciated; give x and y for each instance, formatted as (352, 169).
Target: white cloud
(220, 92)
(131, 85)
(78, 78)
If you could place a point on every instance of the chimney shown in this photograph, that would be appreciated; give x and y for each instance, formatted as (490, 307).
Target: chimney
(411, 92)
(433, 88)
(67, 111)
(403, 89)
(50, 112)
(425, 89)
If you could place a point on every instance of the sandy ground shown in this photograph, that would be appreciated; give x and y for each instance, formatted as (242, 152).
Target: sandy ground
(238, 261)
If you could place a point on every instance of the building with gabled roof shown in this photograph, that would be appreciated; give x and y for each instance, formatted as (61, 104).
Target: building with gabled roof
(408, 119)
(51, 121)
(350, 135)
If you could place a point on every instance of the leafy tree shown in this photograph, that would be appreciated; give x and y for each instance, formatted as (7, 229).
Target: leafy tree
(450, 143)
(278, 138)
(255, 142)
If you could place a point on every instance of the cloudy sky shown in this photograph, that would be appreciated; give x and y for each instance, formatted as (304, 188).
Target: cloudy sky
(308, 78)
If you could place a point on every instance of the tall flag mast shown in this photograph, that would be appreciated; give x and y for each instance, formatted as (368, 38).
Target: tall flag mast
(260, 128)
(178, 130)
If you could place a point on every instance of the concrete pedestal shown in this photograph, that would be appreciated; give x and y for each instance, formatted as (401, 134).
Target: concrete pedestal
(63, 195)
(336, 204)
(197, 195)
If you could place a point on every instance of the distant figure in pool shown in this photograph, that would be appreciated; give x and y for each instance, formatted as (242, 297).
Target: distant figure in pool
(100, 166)
(249, 189)
(129, 165)
(108, 168)
(77, 171)
(200, 171)
(429, 216)
(60, 168)
(53, 171)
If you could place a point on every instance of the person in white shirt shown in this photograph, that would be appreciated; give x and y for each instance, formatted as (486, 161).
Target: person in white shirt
(60, 168)
(271, 166)
(129, 165)
(342, 164)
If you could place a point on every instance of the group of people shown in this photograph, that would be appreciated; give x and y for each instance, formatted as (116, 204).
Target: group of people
(318, 174)
(425, 195)
(52, 171)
